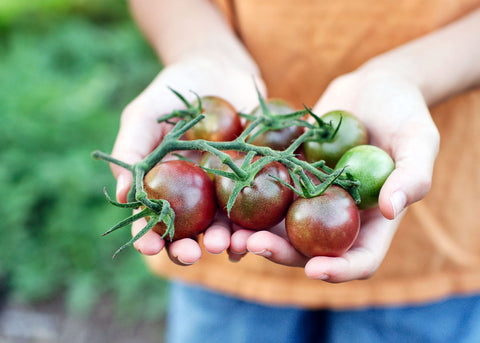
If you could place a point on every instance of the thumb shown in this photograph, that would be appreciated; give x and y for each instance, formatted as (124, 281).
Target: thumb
(414, 156)
(138, 135)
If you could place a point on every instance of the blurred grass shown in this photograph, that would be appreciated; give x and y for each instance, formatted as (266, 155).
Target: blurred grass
(12, 11)
(67, 70)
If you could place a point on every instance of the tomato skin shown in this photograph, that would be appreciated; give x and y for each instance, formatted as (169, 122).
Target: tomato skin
(190, 193)
(351, 133)
(261, 205)
(221, 123)
(371, 166)
(326, 225)
(277, 139)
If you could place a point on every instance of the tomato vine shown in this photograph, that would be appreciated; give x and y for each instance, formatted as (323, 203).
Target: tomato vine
(303, 173)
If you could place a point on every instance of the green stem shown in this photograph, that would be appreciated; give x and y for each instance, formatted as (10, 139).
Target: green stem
(180, 131)
(226, 159)
(248, 130)
(290, 116)
(98, 155)
(298, 142)
(150, 224)
(140, 193)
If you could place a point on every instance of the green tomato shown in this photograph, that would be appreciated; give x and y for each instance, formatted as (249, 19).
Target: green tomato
(371, 166)
(351, 133)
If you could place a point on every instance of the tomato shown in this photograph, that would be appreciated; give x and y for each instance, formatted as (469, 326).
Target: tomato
(351, 133)
(326, 225)
(221, 122)
(276, 139)
(261, 205)
(211, 161)
(190, 193)
(371, 166)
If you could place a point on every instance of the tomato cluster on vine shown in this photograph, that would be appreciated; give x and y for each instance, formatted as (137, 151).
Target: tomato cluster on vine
(260, 168)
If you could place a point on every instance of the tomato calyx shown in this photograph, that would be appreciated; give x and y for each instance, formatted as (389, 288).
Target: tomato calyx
(266, 120)
(251, 169)
(269, 121)
(306, 187)
(327, 132)
(190, 112)
(163, 213)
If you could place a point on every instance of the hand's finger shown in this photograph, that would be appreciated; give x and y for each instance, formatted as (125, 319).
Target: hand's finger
(275, 248)
(364, 258)
(415, 151)
(217, 237)
(185, 251)
(149, 244)
(238, 244)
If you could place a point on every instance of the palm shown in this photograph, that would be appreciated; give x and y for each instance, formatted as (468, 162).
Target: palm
(140, 133)
(398, 121)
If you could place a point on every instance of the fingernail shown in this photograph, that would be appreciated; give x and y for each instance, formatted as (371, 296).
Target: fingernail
(398, 200)
(120, 184)
(264, 253)
(184, 263)
(323, 277)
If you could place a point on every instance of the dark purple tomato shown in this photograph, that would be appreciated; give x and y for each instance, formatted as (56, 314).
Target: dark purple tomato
(326, 225)
(277, 139)
(261, 205)
(351, 133)
(221, 123)
(190, 192)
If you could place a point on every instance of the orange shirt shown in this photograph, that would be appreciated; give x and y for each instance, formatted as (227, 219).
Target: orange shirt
(301, 46)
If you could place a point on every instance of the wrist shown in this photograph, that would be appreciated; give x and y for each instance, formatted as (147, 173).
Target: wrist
(218, 58)
(403, 70)
(181, 29)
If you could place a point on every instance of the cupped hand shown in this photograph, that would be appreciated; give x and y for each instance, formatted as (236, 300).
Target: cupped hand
(139, 134)
(398, 121)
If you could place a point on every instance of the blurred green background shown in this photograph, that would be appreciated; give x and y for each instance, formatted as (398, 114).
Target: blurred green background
(67, 69)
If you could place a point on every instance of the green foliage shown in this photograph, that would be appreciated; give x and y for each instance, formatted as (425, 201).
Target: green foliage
(14, 10)
(63, 86)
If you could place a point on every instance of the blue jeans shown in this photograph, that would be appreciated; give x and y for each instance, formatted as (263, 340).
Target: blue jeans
(199, 315)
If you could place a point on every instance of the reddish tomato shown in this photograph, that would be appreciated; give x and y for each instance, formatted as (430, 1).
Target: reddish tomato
(221, 122)
(277, 139)
(260, 205)
(351, 133)
(326, 225)
(190, 193)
